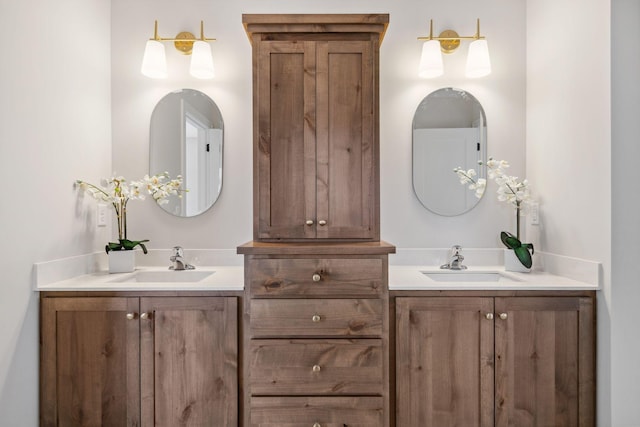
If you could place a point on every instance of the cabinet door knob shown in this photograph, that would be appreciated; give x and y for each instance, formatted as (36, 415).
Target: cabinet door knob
(131, 316)
(316, 425)
(316, 368)
(309, 222)
(145, 316)
(503, 316)
(316, 277)
(489, 316)
(315, 318)
(322, 222)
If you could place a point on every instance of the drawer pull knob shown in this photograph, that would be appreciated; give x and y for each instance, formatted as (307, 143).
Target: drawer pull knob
(322, 222)
(316, 425)
(315, 318)
(316, 277)
(489, 316)
(316, 368)
(503, 316)
(309, 222)
(145, 316)
(131, 316)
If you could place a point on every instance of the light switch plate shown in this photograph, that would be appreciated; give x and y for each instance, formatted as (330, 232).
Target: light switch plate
(102, 215)
(534, 212)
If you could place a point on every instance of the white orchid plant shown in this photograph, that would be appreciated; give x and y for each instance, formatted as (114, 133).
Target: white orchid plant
(118, 192)
(510, 190)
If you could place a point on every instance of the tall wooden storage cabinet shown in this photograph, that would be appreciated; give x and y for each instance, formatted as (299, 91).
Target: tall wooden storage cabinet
(316, 311)
(316, 126)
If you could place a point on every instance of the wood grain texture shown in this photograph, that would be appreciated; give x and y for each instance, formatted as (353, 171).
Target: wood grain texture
(336, 318)
(89, 365)
(336, 276)
(327, 411)
(334, 248)
(315, 23)
(537, 362)
(444, 362)
(286, 140)
(190, 361)
(342, 367)
(316, 149)
(346, 148)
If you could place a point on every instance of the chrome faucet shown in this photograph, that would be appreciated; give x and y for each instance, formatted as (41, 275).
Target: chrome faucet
(455, 259)
(178, 260)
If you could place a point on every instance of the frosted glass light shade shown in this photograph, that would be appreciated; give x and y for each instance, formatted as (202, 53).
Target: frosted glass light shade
(202, 61)
(154, 62)
(478, 61)
(431, 60)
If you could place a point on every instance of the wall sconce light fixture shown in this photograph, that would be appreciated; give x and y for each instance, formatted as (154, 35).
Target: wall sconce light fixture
(478, 61)
(154, 62)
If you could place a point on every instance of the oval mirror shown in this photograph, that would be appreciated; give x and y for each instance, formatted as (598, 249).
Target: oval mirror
(186, 139)
(449, 131)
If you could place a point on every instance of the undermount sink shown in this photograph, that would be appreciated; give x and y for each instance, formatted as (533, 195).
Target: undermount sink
(167, 276)
(469, 276)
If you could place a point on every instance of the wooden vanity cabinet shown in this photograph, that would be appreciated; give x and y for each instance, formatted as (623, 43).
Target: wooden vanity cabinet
(316, 149)
(495, 361)
(138, 361)
(317, 341)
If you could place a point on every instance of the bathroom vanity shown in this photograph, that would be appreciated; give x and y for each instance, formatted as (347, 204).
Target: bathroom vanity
(312, 332)
(318, 350)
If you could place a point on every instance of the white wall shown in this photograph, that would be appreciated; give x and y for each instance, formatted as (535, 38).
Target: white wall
(54, 128)
(55, 114)
(625, 268)
(404, 221)
(569, 145)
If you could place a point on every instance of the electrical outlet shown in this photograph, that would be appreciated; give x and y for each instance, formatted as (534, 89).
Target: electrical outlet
(534, 213)
(102, 215)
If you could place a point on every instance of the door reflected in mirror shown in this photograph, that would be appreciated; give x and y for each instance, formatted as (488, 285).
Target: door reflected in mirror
(186, 138)
(449, 131)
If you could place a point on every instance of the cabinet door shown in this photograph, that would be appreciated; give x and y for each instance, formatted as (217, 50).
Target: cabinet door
(189, 360)
(89, 362)
(544, 362)
(285, 156)
(346, 140)
(444, 362)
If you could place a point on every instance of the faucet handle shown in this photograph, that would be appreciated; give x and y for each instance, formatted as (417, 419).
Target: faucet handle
(456, 249)
(178, 251)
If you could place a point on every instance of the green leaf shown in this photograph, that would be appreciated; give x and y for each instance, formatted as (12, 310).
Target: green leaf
(529, 246)
(112, 246)
(524, 256)
(125, 245)
(510, 240)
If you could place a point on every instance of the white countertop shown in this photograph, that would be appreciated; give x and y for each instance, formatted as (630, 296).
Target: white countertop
(411, 277)
(224, 278)
(231, 278)
(88, 272)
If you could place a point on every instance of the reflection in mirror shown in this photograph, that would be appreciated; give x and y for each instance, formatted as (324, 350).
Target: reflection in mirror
(186, 139)
(449, 131)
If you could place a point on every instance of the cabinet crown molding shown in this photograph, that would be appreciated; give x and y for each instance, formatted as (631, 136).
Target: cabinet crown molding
(316, 23)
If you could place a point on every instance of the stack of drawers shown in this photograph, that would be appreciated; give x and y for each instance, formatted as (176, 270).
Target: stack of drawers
(316, 344)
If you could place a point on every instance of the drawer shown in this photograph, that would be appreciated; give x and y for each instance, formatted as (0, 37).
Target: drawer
(317, 411)
(316, 318)
(316, 367)
(316, 277)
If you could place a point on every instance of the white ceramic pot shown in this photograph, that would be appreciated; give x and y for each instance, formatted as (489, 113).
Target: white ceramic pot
(122, 261)
(512, 263)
